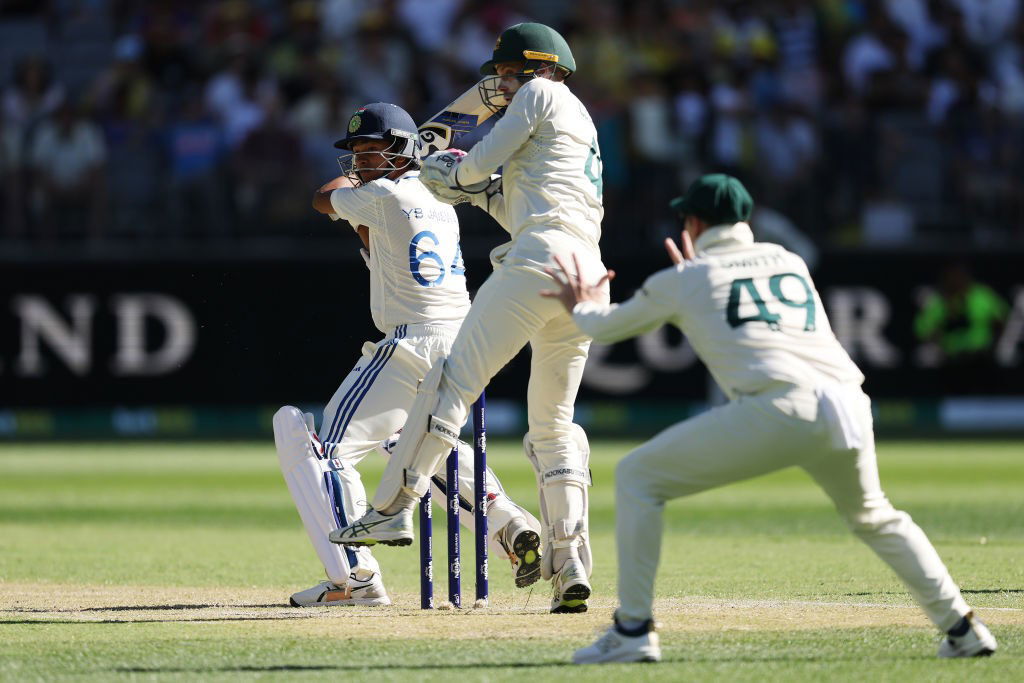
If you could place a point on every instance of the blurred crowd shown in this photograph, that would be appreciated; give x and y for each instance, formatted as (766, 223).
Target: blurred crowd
(858, 122)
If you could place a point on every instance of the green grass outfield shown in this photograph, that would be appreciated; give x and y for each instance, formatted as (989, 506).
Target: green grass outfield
(175, 561)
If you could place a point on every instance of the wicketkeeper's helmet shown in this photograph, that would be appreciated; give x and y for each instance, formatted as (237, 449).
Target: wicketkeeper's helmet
(533, 44)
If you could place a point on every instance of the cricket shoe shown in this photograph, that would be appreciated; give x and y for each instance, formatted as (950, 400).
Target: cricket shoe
(968, 638)
(522, 544)
(620, 645)
(355, 592)
(571, 588)
(375, 527)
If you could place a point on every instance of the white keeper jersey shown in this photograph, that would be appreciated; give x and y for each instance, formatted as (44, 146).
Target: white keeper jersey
(547, 147)
(416, 270)
(749, 309)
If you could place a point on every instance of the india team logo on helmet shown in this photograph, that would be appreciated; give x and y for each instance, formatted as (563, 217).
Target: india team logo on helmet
(384, 122)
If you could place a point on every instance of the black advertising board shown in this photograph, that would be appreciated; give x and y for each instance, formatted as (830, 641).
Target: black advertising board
(84, 334)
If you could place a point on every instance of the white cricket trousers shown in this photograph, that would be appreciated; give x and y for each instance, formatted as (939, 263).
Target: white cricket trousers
(507, 313)
(754, 435)
(372, 404)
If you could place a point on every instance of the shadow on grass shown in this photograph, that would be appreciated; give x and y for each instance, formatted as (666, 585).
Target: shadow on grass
(962, 590)
(141, 608)
(491, 665)
(335, 667)
(194, 620)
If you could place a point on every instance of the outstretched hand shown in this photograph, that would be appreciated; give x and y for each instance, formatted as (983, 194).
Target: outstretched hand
(676, 256)
(571, 287)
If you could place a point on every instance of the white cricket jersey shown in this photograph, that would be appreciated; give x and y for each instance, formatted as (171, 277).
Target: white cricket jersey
(416, 270)
(551, 177)
(749, 309)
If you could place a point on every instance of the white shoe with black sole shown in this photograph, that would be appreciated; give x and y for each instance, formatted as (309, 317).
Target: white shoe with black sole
(522, 544)
(572, 589)
(968, 638)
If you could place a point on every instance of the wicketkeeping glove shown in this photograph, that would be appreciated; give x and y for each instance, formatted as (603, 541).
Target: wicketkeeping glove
(438, 175)
(438, 172)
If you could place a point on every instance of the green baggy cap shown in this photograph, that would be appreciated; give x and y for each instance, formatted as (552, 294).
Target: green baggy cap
(716, 199)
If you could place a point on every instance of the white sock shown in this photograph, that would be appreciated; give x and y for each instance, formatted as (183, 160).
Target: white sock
(561, 555)
(404, 501)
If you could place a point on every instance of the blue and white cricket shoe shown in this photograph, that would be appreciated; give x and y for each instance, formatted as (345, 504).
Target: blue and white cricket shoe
(374, 527)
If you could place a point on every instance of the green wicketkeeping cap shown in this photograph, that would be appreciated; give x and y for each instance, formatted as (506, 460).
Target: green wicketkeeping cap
(529, 42)
(716, 199)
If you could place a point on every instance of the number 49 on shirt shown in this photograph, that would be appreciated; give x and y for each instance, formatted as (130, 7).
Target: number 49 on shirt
(744, 288)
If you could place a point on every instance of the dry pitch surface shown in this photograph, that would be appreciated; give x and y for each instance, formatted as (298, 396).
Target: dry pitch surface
(154, 562)
(510, 617)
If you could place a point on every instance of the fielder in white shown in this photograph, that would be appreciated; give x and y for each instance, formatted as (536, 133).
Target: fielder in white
(549, 200)
(752, 314)
(418, 299)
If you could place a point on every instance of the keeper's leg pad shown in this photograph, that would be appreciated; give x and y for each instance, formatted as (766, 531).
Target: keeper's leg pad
(562, 483)
(422, 447)
(328, 494)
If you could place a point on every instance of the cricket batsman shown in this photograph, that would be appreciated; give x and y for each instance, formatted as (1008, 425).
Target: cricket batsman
(752, 314)
(549, 201)
(418, 299)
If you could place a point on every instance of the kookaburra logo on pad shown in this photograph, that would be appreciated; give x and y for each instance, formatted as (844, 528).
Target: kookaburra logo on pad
(437, 427)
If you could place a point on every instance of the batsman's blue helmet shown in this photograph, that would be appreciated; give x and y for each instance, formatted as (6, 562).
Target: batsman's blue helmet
(381, 121)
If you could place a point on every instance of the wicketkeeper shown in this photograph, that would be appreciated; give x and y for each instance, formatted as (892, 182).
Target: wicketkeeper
(549, 200)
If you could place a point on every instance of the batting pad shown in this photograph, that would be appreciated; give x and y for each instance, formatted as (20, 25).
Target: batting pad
(326, 493)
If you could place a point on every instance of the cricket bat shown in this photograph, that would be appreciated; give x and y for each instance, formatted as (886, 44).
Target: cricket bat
(444, 128)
